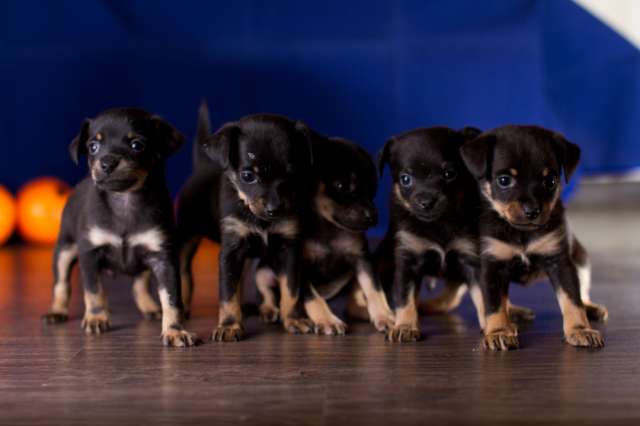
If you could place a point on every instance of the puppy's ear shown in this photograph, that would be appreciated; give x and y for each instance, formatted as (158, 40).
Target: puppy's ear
(385, 154)
(568, 155)
(477, 155)
(170, 137)
(305, 137)
(222, 146)
(78, 145)
(469, 133)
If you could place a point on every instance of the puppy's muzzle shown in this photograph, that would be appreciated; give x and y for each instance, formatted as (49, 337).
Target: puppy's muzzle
(108, 164)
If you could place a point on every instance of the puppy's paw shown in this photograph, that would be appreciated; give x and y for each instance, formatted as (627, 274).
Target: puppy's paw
(269, 313)
(403, 333)
(383, 322)
(585, 338)
(596, 312)
(95, 324)
(501, 340)
(520, 314)
(228, 333)
(298, 325)
(178, 338)
(333, 327)
(54, 318)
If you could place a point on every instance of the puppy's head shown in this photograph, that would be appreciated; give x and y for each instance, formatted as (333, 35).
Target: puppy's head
(267, 159)
(347, 184)
(519, 170)
(124, 146)
(428, 174)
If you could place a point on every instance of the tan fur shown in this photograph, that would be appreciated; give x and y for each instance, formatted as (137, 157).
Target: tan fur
(499, 322)
(463, 246)
(99, 136)
(573, 317)
(265, 281)
(397, 192)
(287, 300)
(348, 244)
(170, 314)
(92, 303)
(141, 294)
(230, 309)
(151, 239)
(324, 205)
(478, 301)
(62, 287)
(286, 228)
(513, 172)
(545, 245)
(508, 211)
(407, 315)
(320, 313)
(417, 245)
(379, 311)
(449, 299)
(315, 251)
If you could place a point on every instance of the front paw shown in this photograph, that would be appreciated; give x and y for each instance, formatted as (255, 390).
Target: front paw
(585, 338)
(178, 338)
(403, 333)
(333, 327)
(597, 313)
(501, 340)
(269, 313)
(383, 321)
(95, 324)
(54, 318)
(228, 333)
(298, 325)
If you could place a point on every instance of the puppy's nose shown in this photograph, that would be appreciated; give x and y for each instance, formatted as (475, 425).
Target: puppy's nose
(531, 211)
(371, 216)
(272, 209)
(426, 202)
(108, 164)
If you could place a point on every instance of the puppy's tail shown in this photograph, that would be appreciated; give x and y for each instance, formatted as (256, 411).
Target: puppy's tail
(203, 130)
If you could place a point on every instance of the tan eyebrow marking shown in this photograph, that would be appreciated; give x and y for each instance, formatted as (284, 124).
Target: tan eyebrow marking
(99, 136)
(546, 172)
(513, 172)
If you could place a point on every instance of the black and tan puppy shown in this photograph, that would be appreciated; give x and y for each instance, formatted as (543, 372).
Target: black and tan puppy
(433, 225)
(248, 198)
(336, 251)
(523, 229)
(121, 219)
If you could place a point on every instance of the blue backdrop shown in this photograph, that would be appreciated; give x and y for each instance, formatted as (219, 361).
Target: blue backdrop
(363, 70)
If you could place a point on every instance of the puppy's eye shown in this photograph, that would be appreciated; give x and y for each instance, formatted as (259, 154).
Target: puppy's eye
(93, 148)
(137, 145)
(406, 180)
(248, 177)
(550, 182)
(450, 174)
(342, 187)
(505, 181)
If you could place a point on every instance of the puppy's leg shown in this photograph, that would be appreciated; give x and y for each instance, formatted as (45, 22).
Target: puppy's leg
(478, 301)
(379, 312)
(324, 320)
(500, 334)
(96, 310)
(290, 282)
(187, 252)
(64, 256)
(266, 281)
(580, 258)
(142, 296)
(164, 267)
(232, 264)
(577, 330)
(405, 292)
(449, 299)
(357, 303)
(520, 314)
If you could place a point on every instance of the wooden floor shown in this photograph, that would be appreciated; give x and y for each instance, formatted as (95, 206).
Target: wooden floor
(56, 375)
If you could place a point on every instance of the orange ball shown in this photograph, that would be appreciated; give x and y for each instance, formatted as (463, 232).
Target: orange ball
(40, 204)
(7, 215)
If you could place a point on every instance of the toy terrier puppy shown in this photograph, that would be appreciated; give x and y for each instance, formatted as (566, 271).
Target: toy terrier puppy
(248, 197)
(335, 248)
(120, 219)
(433, 226)
(523, 229)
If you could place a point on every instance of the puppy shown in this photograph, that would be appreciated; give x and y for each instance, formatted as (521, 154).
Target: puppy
(248, 197)
(433, 225)
(121, 219)
(523, 229)
(335, 249)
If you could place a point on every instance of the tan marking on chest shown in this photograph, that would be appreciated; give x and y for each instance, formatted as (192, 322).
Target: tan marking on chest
(546, 245)
(285, 228)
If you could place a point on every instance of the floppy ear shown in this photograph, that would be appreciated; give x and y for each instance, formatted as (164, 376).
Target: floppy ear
(383, 157)
(78, 145)
(305, 138)
(568, 155)
(222, 146)
(477, 154)
(172, 139)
